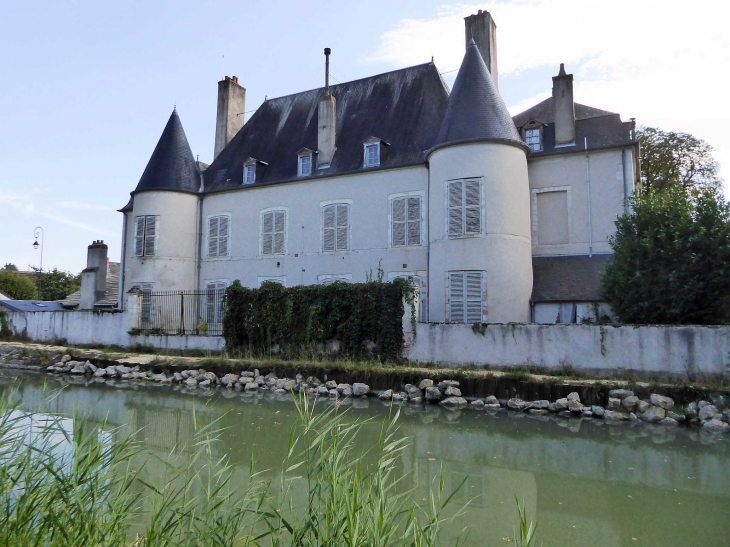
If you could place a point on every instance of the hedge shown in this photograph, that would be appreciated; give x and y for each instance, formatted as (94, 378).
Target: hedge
(302, 317)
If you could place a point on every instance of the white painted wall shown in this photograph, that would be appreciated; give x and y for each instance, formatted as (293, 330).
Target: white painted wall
(671, 350)
(503, 250)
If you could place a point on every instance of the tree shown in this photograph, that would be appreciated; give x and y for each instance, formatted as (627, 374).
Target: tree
(17, 287)
(671, 261)
(56, 284)
(9, 267)
(675, 159)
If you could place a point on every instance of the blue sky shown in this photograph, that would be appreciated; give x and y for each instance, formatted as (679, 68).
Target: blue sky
(87, 87)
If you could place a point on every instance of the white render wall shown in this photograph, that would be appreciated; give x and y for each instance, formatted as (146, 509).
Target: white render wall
(649, 349)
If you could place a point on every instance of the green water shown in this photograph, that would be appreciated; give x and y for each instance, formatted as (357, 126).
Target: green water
(587, 483)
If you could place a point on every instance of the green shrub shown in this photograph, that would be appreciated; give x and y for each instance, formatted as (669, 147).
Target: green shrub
(16, 286)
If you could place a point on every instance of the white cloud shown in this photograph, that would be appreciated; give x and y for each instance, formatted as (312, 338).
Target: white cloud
(662, 62)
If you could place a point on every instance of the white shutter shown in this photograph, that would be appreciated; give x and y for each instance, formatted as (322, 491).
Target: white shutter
(210, 294)
(139, 236)
(456, 297)
(456, 226)
(267, 233)
(399, 222)
(279, 231)
(213, 237)
(328, 226)
(342, 227)
(414, 220)
(473, 207)
(473, 297)
(223, 236)
(150, 235)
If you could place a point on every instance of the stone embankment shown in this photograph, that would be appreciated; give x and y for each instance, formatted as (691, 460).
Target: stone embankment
(622, 405)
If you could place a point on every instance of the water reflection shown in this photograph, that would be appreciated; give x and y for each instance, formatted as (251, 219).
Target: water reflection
(588, 483)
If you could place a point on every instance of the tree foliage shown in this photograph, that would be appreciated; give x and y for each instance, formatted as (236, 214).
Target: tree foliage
(10, 267)
(302, 317)
(16, 286)
(669, 159)
(56, 284)
(671, 261)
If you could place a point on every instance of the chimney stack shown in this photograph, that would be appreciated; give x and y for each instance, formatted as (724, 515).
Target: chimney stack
(229, 118)
(564, 107)
(326, 120)
(482, 28)
(93, 278)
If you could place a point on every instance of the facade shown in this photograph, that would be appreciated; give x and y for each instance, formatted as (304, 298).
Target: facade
(393, 171)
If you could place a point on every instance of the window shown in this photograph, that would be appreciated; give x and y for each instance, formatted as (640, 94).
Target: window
(305, 165)
(372, 154)
(406, 221)
(145, 315)
(465, 297)
(218, 230)
(273, 232)
(465, 207)
(532, 138)
(419, 283)
(215, 292)
(249, 173)
(335, 227)
(552, 218)
(281, 280)
(145, 235)
(328, 279)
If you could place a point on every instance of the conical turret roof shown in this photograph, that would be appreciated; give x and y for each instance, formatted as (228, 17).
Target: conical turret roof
(476, 110)
(172, 166)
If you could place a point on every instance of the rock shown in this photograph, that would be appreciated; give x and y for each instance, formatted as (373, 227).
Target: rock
(177, 377)
(397, 398)
(260, 380)
(453, 402)
(679, 418)
(703, 404)
(537, 411)
(693, 410)
(642, 406)
(516, 404)
(78, 370)
(630, 402)
(342, 387)
(191, 382)
(669, 421)
(719, 400)
(247, 374)
(251, 386)
(433, 393)
(413, 390)
(66, 358)
(280, 391)
(726, 416)
(130, 376)
(424, 384)
(347, 392)
(542, 404)
(561, 404)
(331, 384)
(661, 401)
(492, 406)
(359, 389)
(575, 407)
(204, 383)
(478, 404)
(654, 414)
(620, 393)
(633, 417)
(707, 412)
(716, 426)
(229, 379)
(552, 407)
(100, 373)
(597, 411)
(614, 403)
(211, 377)
(573, 396)
(89, 367)
(415, 400)
(491, 400)
(51, 369)
(447, 383)
(386, 395)
(333, 393)
(121, 369)
(587, 413)
(615, 416)
(452, 392)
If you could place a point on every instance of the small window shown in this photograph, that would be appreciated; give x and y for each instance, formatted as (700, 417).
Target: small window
(145, 316)
(336, 227)
(281, 280)
(532, 138)
(273, 233)
(145, 235)
(249, 173)
(372, 154)
(328, 279)
(218, 236)
(305, 165)
(406, 221)
(465, 207)
(466, 296)
(215, 292)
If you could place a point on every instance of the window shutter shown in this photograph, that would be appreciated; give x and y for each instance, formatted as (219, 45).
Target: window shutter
(213, 237)
(342, 227)
(473, 207)
(414, 221)
(267, 245)
(279, 229)
(399, 222)
(150, 234)
(210, 303)
(473, 297)
(455, 208)
(139, 236)
(329, 228)
(223, 236)
(456, 297)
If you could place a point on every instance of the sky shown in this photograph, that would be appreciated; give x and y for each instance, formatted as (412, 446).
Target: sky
(86, 87)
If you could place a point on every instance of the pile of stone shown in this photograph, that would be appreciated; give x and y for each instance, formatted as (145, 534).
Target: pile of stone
(446, 393)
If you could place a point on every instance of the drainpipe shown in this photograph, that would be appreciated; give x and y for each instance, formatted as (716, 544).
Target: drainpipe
(588, 184)
(623, 178)
(200, 234)
(428, 245)
(121, 265)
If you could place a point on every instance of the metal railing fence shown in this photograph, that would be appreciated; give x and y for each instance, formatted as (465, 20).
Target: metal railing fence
(182, 312)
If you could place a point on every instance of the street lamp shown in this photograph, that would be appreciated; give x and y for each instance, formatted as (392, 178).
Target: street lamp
(36, 233)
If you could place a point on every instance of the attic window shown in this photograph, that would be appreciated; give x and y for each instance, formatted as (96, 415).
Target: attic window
(372, 154)
(249, 173)
(305, 163)
(532, 138)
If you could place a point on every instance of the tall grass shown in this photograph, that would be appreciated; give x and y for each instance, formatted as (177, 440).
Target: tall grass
(98, 486)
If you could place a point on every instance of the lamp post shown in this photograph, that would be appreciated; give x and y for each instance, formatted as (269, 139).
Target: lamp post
(39, 231)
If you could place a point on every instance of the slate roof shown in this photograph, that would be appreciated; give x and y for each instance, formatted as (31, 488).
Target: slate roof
(31, 305)
(403, 108)
(568, 278)
(112, 290)
(4, 296)
(476, 109)
(545, 112)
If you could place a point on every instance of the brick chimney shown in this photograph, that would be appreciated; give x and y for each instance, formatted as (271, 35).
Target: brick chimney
(483, 29)
(229, 118)
(326, 121)
(93, 278)
(564, 107)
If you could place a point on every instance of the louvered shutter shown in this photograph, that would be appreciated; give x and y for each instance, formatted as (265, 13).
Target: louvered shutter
(399, 222)
(139, 236)
(150, 235)
(342, 227)
(279, 231)
(414, 221)
(210, 294)
(223, 236)
(473, 297)
(328, 226)
(456, 226)
(456, 297)
(213, 237)
(473, 207)
(267, 233)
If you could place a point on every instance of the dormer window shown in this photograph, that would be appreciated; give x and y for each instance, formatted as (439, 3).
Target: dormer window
(372, 152)
(249, 173)
(305, 162)
(532, 134)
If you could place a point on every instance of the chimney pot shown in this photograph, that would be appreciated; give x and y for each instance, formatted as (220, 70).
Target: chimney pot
(483, 30)
(230, 112)
(564, 107)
